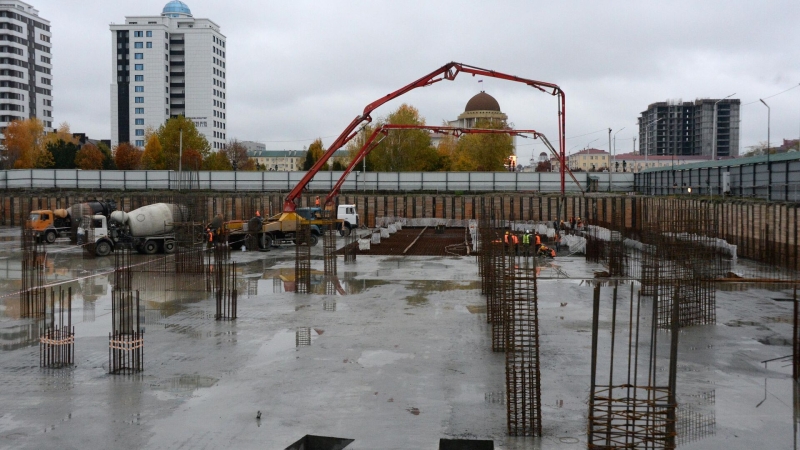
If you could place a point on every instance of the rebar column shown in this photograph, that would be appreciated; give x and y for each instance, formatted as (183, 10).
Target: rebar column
(523, 388)
(57, 340)
(302, 262)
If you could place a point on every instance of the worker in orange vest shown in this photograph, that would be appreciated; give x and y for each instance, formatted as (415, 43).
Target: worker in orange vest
(515, 240)
(505, 241)
(258, 213)
(316, 201)
(557, 239)
(537, 241)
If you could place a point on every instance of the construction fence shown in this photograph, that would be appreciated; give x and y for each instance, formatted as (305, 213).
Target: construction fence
(547, 182)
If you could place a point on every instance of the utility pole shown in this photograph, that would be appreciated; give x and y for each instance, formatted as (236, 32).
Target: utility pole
(180, 160)
(769, 169)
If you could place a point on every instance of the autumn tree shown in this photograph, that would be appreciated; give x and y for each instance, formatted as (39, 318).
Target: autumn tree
(446, 150)
(313, 154)
(153, 156)
(24, 142)
(236, 153)
(63, 154)
(404, 150)
(127, 157)
(89, 157)
(354, 146)
(62, 133)
(192, 159)
(483, 152)
(169, 135)
(108, 161)
(216, 161)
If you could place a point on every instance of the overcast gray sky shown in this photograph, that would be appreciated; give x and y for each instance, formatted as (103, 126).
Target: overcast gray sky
(298, 70)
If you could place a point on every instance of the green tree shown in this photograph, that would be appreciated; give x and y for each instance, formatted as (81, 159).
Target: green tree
(483, 152)
(216, 161)
(313, 154)
(169, 137)
(108, 162)
(354, 146)
(63, 154)
(404, 150)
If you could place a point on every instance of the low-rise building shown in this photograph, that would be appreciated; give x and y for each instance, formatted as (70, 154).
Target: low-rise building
(634, 163)
(278, 160)
(588, 160)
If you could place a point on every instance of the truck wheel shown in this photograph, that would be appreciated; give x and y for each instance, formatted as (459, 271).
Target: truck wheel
(345, 230)
(312, 240)
(102, 248)
(266, 241)
(169, 247)
(50, 236)
(150, 247)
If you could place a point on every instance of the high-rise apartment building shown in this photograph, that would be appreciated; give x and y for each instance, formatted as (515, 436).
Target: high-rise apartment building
(166, 66)
(688, 128)
(26, 81)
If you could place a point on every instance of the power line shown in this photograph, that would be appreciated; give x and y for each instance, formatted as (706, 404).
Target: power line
(773, 95)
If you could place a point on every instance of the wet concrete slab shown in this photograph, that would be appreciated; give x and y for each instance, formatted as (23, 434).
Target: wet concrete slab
(402, 360)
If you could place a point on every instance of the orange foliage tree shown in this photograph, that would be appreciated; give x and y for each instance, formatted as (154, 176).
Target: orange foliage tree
(192, 159)
(24, 142)
(89, 157)
(127, 157)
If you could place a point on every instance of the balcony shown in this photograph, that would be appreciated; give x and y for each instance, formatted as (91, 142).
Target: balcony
(177, 95)
(176, 73)
(177, 105)
(176, 42)
(177, 52)
(177, 63)
(177, 84)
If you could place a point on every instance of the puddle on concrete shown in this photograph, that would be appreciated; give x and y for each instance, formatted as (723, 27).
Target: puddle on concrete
(185, 383)
(417, 300)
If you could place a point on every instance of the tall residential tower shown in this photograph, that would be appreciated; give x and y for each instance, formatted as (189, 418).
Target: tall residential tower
(26, 81)
(166, 66)
(689, 128)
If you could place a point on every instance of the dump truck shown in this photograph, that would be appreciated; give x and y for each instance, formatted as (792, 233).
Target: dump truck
(282, 228)
(48, 225)
(148, 230)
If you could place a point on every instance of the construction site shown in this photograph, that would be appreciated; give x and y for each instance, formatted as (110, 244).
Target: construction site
(661, 323)
(337, 318)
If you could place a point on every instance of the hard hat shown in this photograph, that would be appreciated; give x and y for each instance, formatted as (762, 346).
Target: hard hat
(506, 231)
(528, 231)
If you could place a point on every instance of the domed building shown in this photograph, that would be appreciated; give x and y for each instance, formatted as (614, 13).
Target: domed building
(481, 106)
(168, 65)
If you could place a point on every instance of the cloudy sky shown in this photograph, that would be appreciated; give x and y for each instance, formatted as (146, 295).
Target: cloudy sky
(298, 70)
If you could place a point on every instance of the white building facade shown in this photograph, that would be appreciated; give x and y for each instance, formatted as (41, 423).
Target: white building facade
(167, 66)
(26, 79)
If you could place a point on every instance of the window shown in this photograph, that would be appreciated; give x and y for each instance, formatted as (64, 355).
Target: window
(138, 89)
(139, 110)
(119, 67)
(139, 132)
(140, 143)
(138, 56)
(149, 34)
(139, 66)
(149, 45)
(139, 99)
(137, 34)
(139, 121)
(166, 89)
(138, 44)
(139, 78)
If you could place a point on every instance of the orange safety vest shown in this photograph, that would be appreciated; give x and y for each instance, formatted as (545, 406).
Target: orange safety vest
(552, 253)
(538, 240)
(210, 236)
(505, 239)
(515, 239)
(316, 202)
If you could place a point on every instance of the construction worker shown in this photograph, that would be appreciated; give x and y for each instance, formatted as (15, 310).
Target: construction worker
(515, 240)
(258, 213)
(506, 238)
(557, 239)
(526, 243)
(316, 202)
(537, 241)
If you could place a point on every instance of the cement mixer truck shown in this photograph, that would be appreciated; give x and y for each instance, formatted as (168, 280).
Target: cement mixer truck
(48, 225)
(149, 229)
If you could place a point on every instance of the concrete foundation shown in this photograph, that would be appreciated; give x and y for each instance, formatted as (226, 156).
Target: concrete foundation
(400, 362)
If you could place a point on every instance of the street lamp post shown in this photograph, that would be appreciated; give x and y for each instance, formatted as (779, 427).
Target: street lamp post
(180, 160)
(714, 132)
(614, 157)
(769, 169)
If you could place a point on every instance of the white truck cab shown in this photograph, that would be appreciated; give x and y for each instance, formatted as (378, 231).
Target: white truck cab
(347, 213)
